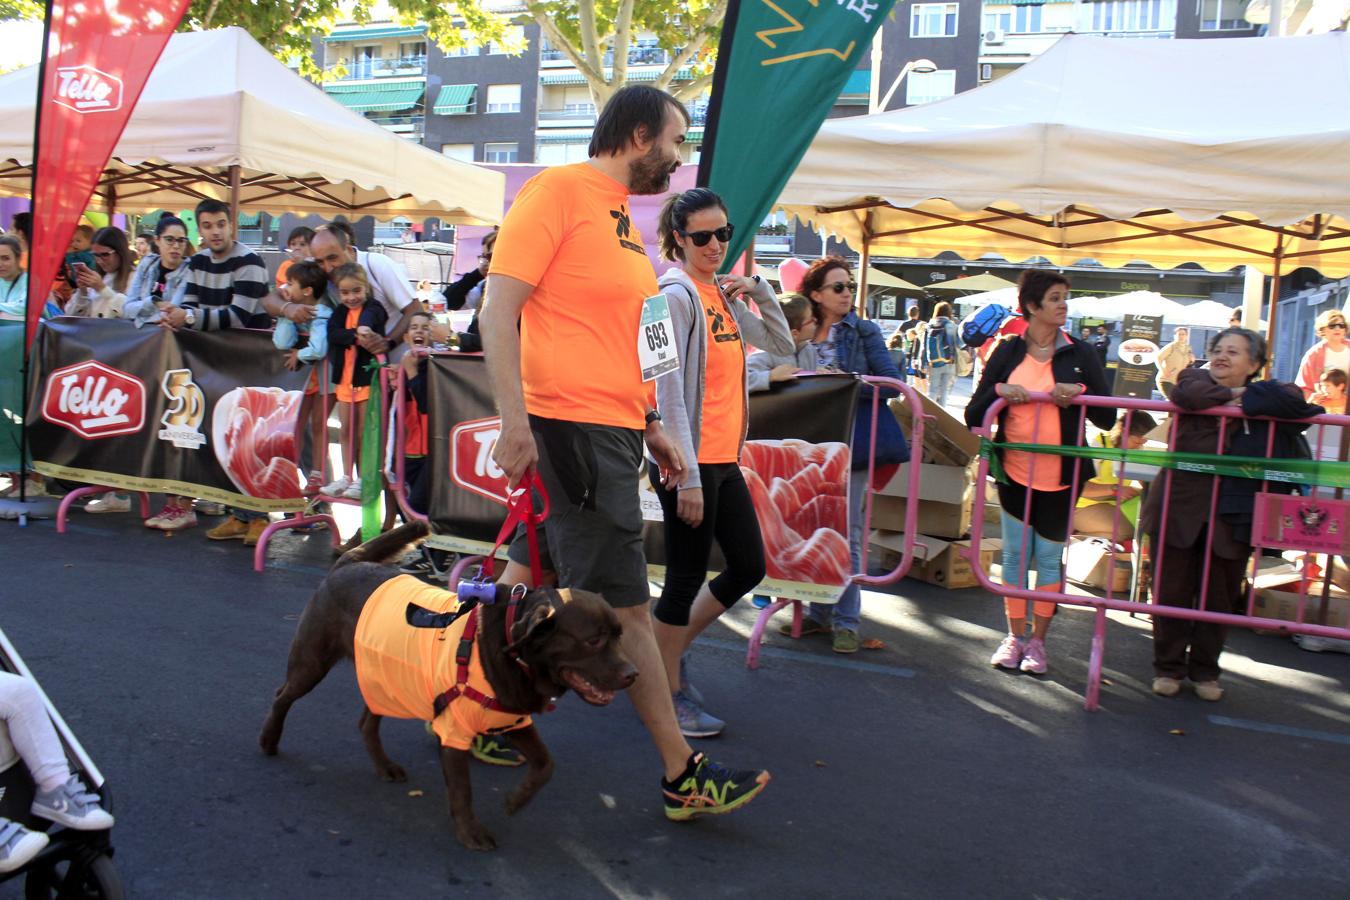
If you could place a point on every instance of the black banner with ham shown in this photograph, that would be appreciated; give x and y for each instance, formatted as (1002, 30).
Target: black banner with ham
(469, 492)
(796, 463)
(207, 415)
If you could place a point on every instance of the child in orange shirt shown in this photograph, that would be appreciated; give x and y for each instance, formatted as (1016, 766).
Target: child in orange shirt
(359, 316)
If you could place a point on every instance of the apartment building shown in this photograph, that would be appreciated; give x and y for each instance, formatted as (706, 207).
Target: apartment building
(1014, 33)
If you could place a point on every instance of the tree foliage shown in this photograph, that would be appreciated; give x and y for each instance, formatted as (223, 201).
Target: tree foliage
(588, 32)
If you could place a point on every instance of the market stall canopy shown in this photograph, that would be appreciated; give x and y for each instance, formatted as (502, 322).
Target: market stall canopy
(1003, 296)
(218, 100)
(976, 284)
(879, 279)
(1221, 153)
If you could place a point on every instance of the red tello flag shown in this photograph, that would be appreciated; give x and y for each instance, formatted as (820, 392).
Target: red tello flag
(99, 54)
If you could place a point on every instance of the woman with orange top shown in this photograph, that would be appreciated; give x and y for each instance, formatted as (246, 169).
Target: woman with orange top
(704, 406)
(1042, 359)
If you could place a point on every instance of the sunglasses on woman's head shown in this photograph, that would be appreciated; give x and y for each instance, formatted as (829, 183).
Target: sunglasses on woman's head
(701, 238)
(840, 286)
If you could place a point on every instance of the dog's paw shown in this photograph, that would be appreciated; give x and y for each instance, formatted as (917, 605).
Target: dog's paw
(475, 836)
(393, 772)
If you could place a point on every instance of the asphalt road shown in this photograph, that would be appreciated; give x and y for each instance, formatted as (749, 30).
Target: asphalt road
(911, 771)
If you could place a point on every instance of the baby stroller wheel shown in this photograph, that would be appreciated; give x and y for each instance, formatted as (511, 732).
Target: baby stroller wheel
(92, 879)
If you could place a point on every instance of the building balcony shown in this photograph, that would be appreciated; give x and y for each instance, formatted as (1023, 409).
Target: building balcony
(571, 115)
(408, 125)
(368, 69)
(637, 56)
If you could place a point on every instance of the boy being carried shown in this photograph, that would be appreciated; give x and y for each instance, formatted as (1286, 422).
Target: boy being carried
(763, 368)
(307, 344)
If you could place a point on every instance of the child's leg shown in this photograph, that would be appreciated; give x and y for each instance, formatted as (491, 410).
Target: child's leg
(31, 731)
(358, 419)
(318, 432)
(345, 462)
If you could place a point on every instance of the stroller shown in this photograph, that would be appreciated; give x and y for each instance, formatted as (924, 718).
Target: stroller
(74, 863)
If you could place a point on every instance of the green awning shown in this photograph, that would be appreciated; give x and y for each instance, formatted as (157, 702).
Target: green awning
(859, 83)
(633, 77)
(454, 99)
(374, 33)
(693, 136)
(377, 96)
(250, 220)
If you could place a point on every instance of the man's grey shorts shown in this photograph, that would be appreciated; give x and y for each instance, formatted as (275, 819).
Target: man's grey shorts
(593, 534)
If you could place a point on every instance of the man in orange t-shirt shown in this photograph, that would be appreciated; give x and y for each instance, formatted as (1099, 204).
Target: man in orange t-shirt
(575, 331)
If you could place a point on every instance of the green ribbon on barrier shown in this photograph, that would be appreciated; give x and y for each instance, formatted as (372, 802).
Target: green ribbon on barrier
(372, 481)
(1259, 468)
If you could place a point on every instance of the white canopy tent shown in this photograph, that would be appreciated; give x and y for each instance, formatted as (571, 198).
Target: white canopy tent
(221, 117)
(1221, 153)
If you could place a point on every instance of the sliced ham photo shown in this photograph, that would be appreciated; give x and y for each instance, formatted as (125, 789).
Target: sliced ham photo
(254, 431)
(800, 493)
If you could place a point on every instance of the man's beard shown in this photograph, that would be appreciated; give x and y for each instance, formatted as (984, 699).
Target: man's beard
(649, 174)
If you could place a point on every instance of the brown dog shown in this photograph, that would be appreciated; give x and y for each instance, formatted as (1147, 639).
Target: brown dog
(558, 640)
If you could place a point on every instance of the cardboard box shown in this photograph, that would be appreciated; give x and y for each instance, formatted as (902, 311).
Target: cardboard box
(945, 520)
(946, 439)
(935, 561)
(945, 484)
(1088, 563)
(1282, 603)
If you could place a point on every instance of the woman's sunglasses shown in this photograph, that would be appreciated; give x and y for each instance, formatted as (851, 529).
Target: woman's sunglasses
(1336, 325)
(840, 286)
(701, 238)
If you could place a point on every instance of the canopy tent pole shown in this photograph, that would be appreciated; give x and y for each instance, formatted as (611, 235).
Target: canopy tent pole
(861, 298)
(234, 195)
(1274, 304)
(749, 269)
(110, 201)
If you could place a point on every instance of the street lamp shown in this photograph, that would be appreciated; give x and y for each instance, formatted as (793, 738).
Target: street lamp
(921, 66)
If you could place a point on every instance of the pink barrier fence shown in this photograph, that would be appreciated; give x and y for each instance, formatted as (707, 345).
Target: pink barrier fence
(1331, 535)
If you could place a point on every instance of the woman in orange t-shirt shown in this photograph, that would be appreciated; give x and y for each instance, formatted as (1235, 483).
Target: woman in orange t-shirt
(1038, 494)
(704, 406)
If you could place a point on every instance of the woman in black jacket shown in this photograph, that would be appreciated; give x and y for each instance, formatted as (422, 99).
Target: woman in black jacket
(1186, 539)
(1038, 492)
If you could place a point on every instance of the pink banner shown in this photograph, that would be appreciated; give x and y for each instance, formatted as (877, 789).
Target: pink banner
(1311, 524)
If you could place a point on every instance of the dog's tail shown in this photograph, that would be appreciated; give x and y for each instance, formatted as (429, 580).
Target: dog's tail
(387, 547)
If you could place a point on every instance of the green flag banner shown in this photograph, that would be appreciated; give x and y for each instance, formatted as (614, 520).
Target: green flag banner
(1260, 468)
(780, 67)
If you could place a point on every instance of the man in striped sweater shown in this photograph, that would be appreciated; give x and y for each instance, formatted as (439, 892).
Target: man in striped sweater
(225, 287)
(226, 280)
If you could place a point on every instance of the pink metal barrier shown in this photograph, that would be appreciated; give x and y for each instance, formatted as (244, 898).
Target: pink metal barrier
(862, 579)
(1324, 431)
(63, 510)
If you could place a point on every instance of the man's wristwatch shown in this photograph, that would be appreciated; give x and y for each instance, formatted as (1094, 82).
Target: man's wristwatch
(653, 416)
(190, 316)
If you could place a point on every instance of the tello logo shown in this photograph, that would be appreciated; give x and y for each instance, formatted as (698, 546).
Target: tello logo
(471, 464)
(88, 90)
(94, 400)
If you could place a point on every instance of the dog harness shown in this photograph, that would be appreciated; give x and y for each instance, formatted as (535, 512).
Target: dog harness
(401, 666)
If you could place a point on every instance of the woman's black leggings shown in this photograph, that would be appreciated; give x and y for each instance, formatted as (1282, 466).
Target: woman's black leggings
(729, 517)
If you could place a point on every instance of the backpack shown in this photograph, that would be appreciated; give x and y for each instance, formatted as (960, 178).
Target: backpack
(938, 346)
(983, 324)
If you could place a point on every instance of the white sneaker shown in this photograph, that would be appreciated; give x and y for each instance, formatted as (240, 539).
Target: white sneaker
(35, 489)
(109, 503)
(18, 845)
(177, 519)
(335, 488)
(353, 491)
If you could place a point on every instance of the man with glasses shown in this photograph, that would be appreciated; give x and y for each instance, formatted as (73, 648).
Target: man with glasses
(571, 331)
(1331, 352)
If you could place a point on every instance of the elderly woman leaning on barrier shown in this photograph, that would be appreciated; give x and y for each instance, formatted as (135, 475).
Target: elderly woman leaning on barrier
(1038, 490)
(1184, 536)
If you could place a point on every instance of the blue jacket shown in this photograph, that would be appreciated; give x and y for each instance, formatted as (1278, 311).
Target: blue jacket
(860, 348)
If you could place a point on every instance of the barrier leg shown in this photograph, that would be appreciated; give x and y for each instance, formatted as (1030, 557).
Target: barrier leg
(69, 499)
(1094, 685)
(145, 504)
(757, 633)
(260, 551)
(460, 567)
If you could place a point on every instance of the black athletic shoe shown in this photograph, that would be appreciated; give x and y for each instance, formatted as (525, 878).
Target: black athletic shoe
(710, 790)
